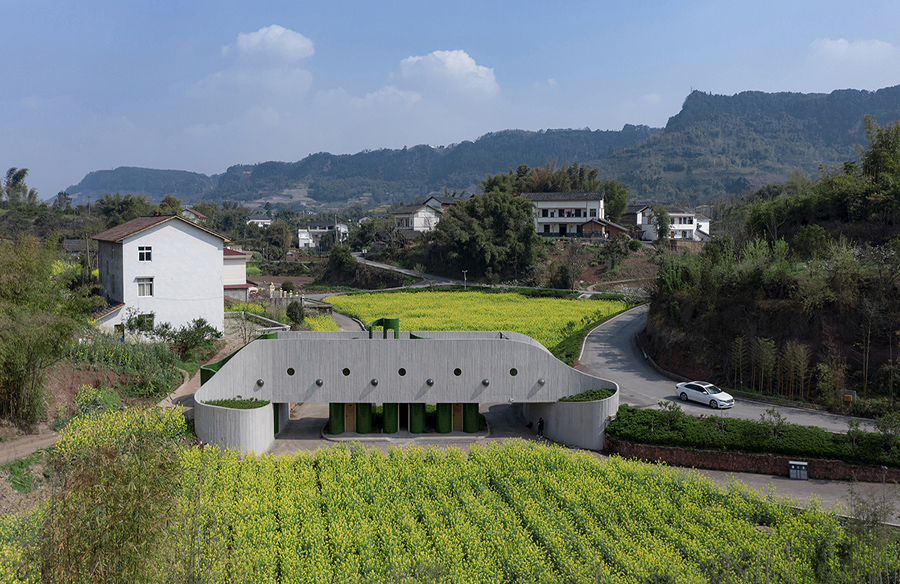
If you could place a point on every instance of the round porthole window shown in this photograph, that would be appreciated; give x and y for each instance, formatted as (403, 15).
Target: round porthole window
(513, 371)
(346, 371)
(290, 371)
(457, 372)
(401, 372)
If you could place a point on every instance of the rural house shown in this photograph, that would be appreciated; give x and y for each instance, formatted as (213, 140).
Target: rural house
(418, 218)
(234, 272)
(315, 230)
(686, 225)
(564, 214)
(165, 265)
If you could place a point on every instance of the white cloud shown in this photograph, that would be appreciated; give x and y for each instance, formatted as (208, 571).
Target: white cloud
(274, 40)
(839, 63)
(842, 51)
(453, 70)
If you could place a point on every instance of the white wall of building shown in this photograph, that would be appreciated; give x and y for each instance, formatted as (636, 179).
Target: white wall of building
(186, 268)
(558, 217)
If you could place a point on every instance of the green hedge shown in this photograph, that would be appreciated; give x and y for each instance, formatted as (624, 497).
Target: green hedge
(239, 403)
(589, 395)
(672, 427)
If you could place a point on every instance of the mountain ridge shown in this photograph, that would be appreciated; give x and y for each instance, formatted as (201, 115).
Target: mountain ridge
(715, 146)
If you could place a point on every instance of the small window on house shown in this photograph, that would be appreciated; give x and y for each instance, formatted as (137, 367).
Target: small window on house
(593, 212)
(546, 229)
(145, 287)
(144, 253)
(544, 212)
(144, 322)
(578, 212)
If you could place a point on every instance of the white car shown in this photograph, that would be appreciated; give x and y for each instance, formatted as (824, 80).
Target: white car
(705, 393)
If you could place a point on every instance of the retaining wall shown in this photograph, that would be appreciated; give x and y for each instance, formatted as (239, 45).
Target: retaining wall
(771, 464)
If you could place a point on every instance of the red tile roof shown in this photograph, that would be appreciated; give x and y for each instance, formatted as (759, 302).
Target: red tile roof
(129, 228)
(232, 253)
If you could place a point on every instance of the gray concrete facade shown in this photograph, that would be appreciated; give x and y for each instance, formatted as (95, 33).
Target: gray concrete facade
(441, 367)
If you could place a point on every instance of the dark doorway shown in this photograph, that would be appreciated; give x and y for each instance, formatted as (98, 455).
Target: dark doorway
(404, 417)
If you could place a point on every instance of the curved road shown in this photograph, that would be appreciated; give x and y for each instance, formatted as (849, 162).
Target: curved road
(610, 352)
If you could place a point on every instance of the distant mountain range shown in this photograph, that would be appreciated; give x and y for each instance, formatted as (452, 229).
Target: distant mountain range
(715, 146)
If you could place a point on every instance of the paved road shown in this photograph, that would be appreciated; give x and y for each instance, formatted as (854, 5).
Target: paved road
(610, 352)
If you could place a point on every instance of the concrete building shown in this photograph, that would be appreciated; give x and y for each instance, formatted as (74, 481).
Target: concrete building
(685, 224)
(401, 371)
(234, 274)
(419, 218)
(165, 265)
(310, 237)
(564, 214)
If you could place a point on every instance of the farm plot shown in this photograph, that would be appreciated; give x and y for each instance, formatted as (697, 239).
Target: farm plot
(547, 320)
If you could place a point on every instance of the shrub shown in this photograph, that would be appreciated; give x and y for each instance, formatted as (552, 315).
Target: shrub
(674, 428)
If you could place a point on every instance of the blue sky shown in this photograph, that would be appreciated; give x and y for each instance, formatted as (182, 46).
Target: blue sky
(200, 85)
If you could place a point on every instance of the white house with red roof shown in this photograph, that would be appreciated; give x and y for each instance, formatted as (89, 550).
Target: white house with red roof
(165, 265)
(235, 274)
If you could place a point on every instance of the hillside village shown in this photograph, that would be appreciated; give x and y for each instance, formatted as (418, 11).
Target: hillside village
(785, 296)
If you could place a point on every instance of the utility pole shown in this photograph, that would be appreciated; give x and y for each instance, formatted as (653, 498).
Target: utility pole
(464, 278)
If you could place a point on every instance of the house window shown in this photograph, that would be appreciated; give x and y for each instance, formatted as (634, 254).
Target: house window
(543, 212)
(145, 287)
(144, 322)
(593, 212)
(578, 212)
(546, 229)
(144, 253)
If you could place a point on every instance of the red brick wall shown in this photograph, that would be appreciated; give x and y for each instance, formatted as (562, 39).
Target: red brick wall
(745, 462)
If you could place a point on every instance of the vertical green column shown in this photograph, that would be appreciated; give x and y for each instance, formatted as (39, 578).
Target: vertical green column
(391, 417)
(444, 421)
(363, 418)
(470, 418)
(336, 418)
(416, 418)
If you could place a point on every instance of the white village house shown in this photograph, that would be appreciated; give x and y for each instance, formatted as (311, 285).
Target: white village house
(562, 214)
(162, 264)
(686, 225)
(418, 218)
(316, 230)
(234, 270)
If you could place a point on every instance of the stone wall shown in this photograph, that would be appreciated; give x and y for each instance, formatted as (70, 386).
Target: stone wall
(771, 464)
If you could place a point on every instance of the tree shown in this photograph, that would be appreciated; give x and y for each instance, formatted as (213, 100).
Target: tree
(116, 209)
(663, 225)
(615, 197)
(38, 315)
(488, 235)
(15, 189)
(170, 206)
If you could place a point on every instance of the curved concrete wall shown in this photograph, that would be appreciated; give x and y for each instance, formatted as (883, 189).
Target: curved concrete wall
(463, 367)
(579, 424)
(244, 430)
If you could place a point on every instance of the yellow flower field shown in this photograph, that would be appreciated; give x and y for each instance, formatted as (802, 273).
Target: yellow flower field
(515, 511)
(321, 323)
(543, 319)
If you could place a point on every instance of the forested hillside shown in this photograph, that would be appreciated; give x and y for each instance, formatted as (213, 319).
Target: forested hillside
(720, 145)
(154, 183)
(799, 296)
(714, 147)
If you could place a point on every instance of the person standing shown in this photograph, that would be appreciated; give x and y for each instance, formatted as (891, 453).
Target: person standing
(541, 428)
